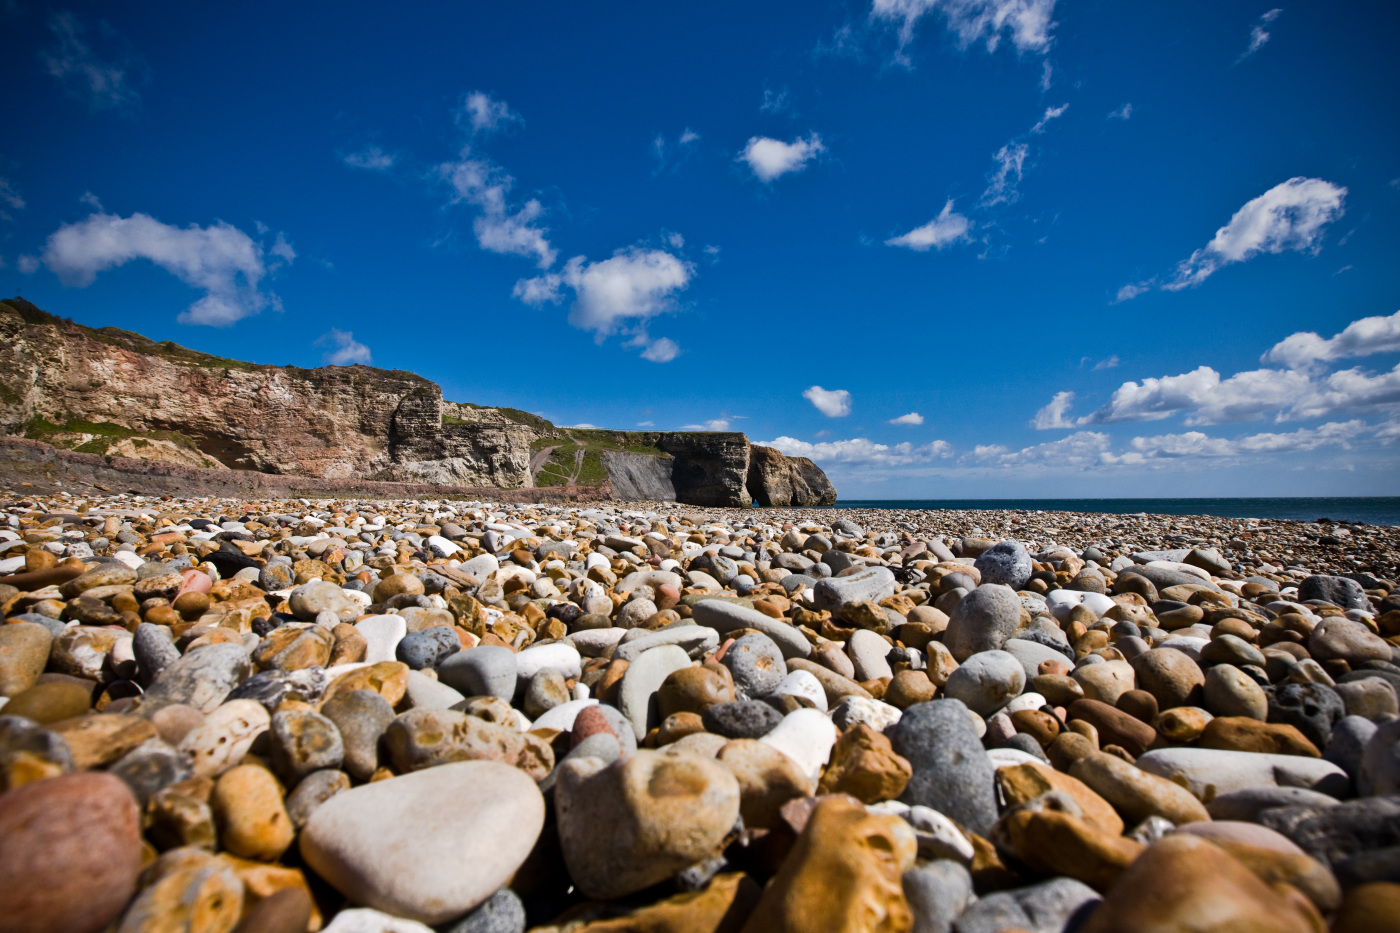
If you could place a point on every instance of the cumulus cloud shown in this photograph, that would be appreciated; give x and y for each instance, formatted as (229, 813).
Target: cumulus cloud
(1052, 416)
(1124, 112)
(224, 262)
(1288, 217)
(834, 403)
(944, 230)
(912, 418)
(482, 113)
(617, 295)
(499, 226)
(342, 348)
(102, 82)
(1051, 113)
(1003, 182)
(1258, 35)
(862, 451)
(1026, 22)
(1364, 337)
(771, 158)
(371, 158)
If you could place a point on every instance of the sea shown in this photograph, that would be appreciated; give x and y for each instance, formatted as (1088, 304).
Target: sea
(1371, 510)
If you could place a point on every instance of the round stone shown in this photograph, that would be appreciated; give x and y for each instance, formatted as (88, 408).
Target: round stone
(982, 620)
(1229, 691)
(742, 719)
(71, 853)
(304, 741)
(1170, 676)
(756, 664)
(428, 647)
(248, 809)
(1006, 563)
(24, 651)
(986, 681)
(380, 845)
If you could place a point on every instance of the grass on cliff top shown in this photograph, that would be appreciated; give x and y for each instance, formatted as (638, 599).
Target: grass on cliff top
(593, 442)
(40, 429)
(511, 414)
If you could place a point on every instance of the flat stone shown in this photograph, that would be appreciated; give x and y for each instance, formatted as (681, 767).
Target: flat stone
(202, 678)
(1208, 773)
(379, 845)
(485, 671)
(726, 617)
(872, 584)
(1135, 793)
(643, 678)
(382, 635)
(697, 640)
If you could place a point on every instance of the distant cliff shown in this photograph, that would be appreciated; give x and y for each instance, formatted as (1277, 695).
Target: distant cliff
(115, 393)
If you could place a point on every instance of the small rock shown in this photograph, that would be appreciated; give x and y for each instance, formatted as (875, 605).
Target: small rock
(252, 822)
(951, 773)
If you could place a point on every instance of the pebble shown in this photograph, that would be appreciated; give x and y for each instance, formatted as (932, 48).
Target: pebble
(768, 778)
(806, 736)
(986, 681)
(248, 809)
(982, 620)
(71, 853)
(644, 677)
(616, 820)
(378, 845)
(304, 741)
(1005, 563)
(756, 664)
(951, 773)
(485, 671)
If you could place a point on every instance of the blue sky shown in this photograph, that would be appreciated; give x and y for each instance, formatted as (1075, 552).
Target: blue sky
(947, 248)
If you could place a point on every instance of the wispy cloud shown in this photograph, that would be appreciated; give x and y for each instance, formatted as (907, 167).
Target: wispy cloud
(944, 230)
(1006, 177)
(1289, 217)
(9, 199)
(481, 113)
(103, 82)
(1027, 23)
(342, 348)
(671, 154)
(1258, 35)
(371, 158)
(1051, 113)
(500, 227)
(1124, 113)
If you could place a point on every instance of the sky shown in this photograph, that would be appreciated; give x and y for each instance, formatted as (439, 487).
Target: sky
(946, 248)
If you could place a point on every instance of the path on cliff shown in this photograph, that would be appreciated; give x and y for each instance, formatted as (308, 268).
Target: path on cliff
(538, 461)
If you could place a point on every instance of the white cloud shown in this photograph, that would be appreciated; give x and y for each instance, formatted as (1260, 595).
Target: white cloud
(344, 349)
(1334, 432)
(484, 114)
(616, 295)
(1027, 22)
(674, 240)
(371, 158)
(646, 424)
(28, 264)
(498, 227)
(1132, 290)
(912, 418)
(1364, 337)
(1081, 449)
(661, 350)
(772, 158)
(716, 424)
(1258, 35)
(102, 83)
(221, 260)
(834, 403)
(1111, 363)
(862, 451)
(946, 229)
(1051, 113)
(1011, 164)
(1288, 217)
(987, 451)
(1124, 112)
(1052, 416)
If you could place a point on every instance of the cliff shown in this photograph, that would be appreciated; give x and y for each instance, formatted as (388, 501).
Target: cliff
(113, 393)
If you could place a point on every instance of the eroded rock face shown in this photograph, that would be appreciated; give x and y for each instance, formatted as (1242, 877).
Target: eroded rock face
(778, 480)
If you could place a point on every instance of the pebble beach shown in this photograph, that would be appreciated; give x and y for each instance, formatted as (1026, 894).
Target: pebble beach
(402, 716)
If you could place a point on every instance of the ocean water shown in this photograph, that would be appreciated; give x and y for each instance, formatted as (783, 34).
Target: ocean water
(1377, 510)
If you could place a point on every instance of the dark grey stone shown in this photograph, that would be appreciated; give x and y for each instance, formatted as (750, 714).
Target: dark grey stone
(1339, 591)
(154, 650)
(1007, 563)
(202, 678)
(502, 912)
(361, 716)
(982, 620)
(1247, 805)
(1310, 707)
(742, 719)
(150, 767)
(1348, 742)
(952, 773)
(428, 647)
(937, 893)
(302, 742)
(1332, 835)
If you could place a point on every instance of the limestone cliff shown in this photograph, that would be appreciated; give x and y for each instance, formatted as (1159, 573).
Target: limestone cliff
(114, 393)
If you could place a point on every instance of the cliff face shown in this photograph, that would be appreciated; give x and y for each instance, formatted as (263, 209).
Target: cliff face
(336, 422)
(778, 480)
(117, 394)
